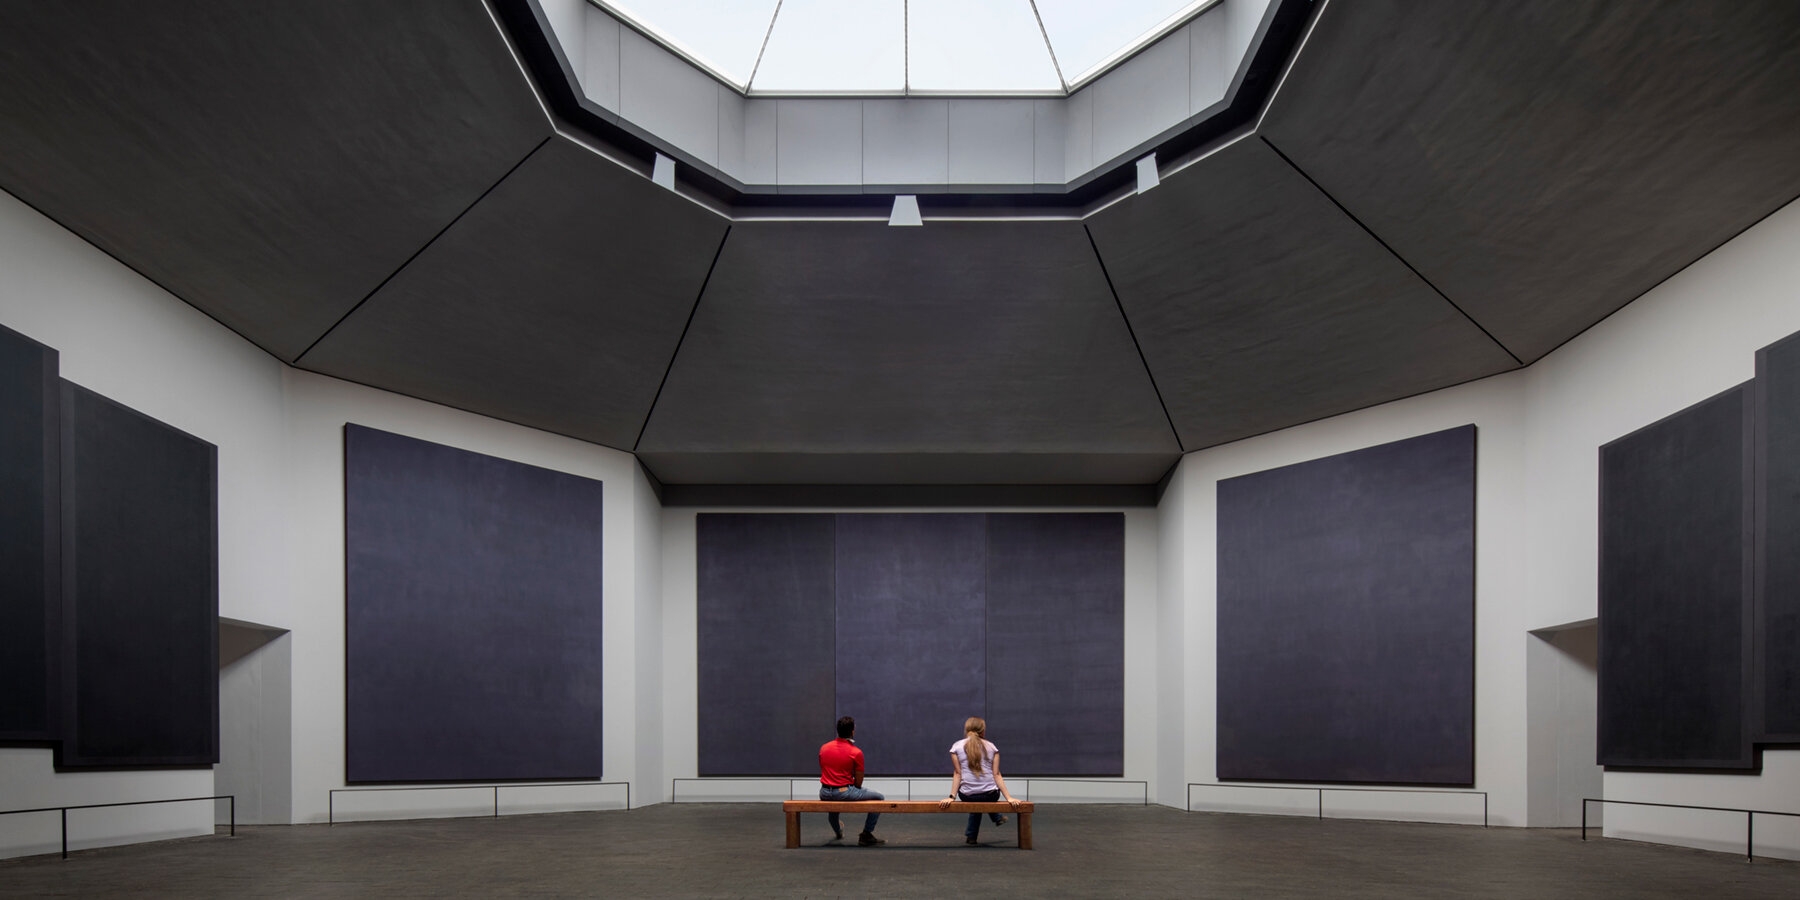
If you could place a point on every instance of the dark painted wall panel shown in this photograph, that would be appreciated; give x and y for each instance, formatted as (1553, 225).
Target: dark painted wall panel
(30, 545)
(1776, 674)
(766, 622)
(1056, 642)
(1346, 616)
(1675, 588)
(140, 588)
(911, 654)
(473, 602)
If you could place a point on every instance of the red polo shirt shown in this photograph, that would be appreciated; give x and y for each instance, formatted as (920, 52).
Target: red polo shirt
(840, 763)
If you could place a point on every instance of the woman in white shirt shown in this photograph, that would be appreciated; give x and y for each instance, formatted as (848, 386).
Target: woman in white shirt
(975, 775)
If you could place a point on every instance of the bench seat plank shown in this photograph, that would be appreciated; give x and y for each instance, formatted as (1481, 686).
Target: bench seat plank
(793, 809)
(898, 806)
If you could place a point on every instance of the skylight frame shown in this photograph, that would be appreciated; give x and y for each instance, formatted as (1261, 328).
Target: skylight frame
(1172, 23)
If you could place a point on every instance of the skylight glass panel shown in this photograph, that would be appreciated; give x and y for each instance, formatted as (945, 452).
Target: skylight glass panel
(1089, 36)
(991, 46)
(835, 46)
(723, 37)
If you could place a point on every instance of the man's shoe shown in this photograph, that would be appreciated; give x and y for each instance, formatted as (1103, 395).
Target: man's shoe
(969, 840)
(1002, 821)
(837, 833)
(867, 839)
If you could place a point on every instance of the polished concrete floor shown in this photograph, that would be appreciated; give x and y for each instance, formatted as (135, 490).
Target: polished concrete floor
(735, 850)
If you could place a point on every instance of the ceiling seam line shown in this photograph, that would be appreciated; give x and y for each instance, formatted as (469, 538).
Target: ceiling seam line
(1684, 267)
(84, 238)
(1045, 32)
(512, 49)
(756, 66)
(423, 247)
(692, 311)
(1391, 251)
(1132, 332)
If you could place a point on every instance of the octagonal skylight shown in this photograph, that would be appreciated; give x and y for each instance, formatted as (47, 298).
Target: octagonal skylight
(997, 47)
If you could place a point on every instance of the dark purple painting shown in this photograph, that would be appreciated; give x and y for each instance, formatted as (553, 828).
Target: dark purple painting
(473, 616)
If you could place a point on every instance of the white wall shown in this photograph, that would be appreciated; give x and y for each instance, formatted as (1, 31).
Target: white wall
(1562, 669)
(1691, 337)
(123, 337)
(1493, 405)
(1173, 597)
(1537, 495)
(256, 733)
(316, 409)
(681, 664)
(281, 550)
(647, 601)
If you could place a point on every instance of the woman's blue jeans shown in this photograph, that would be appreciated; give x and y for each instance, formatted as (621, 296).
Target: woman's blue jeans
(974, 828)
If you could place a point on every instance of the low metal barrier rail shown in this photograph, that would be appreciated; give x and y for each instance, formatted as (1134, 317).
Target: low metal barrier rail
(1340, 790)
(1749, 817)
(675, 784)
(65, 812)
(331, 795)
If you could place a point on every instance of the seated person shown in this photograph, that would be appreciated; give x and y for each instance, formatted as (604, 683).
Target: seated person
(975, 776)
(841, 778)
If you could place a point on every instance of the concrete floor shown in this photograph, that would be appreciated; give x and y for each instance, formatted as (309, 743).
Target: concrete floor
(735, 850)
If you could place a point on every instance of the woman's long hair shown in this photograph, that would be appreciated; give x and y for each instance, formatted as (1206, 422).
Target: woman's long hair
(974, 746)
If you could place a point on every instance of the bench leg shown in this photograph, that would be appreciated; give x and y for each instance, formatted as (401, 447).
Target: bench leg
(1024, 831)
(793, 830)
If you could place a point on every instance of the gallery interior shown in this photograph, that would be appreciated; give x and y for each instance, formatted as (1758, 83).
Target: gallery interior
(1349, 409)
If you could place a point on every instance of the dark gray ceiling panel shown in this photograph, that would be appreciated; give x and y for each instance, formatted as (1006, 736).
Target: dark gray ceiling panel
(1260, 305)
(997, 468)
(1544, 162)
(557, 302)
(860, 339)
(268, 163)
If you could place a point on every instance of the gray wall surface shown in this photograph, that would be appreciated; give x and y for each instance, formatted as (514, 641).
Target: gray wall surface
(473, 615)
(1346, 617)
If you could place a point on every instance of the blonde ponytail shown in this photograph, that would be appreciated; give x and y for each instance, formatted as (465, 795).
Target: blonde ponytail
(974, 746)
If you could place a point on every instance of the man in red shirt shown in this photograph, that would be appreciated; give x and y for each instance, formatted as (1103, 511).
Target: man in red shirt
(841, 778)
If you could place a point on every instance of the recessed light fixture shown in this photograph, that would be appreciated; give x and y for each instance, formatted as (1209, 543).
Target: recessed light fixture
(664, 172)
(1146, 172)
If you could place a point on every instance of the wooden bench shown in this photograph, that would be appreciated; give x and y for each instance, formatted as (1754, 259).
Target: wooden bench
(794, 808)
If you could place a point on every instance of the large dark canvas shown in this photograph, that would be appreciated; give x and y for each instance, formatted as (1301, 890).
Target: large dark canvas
(1056, 642)
(911, 643)
(1675, 590)
(767, 626)
(473, 615)
(1776, 673)
(30, 545)
(1346, 616)
(140, 589)
(911, 623)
